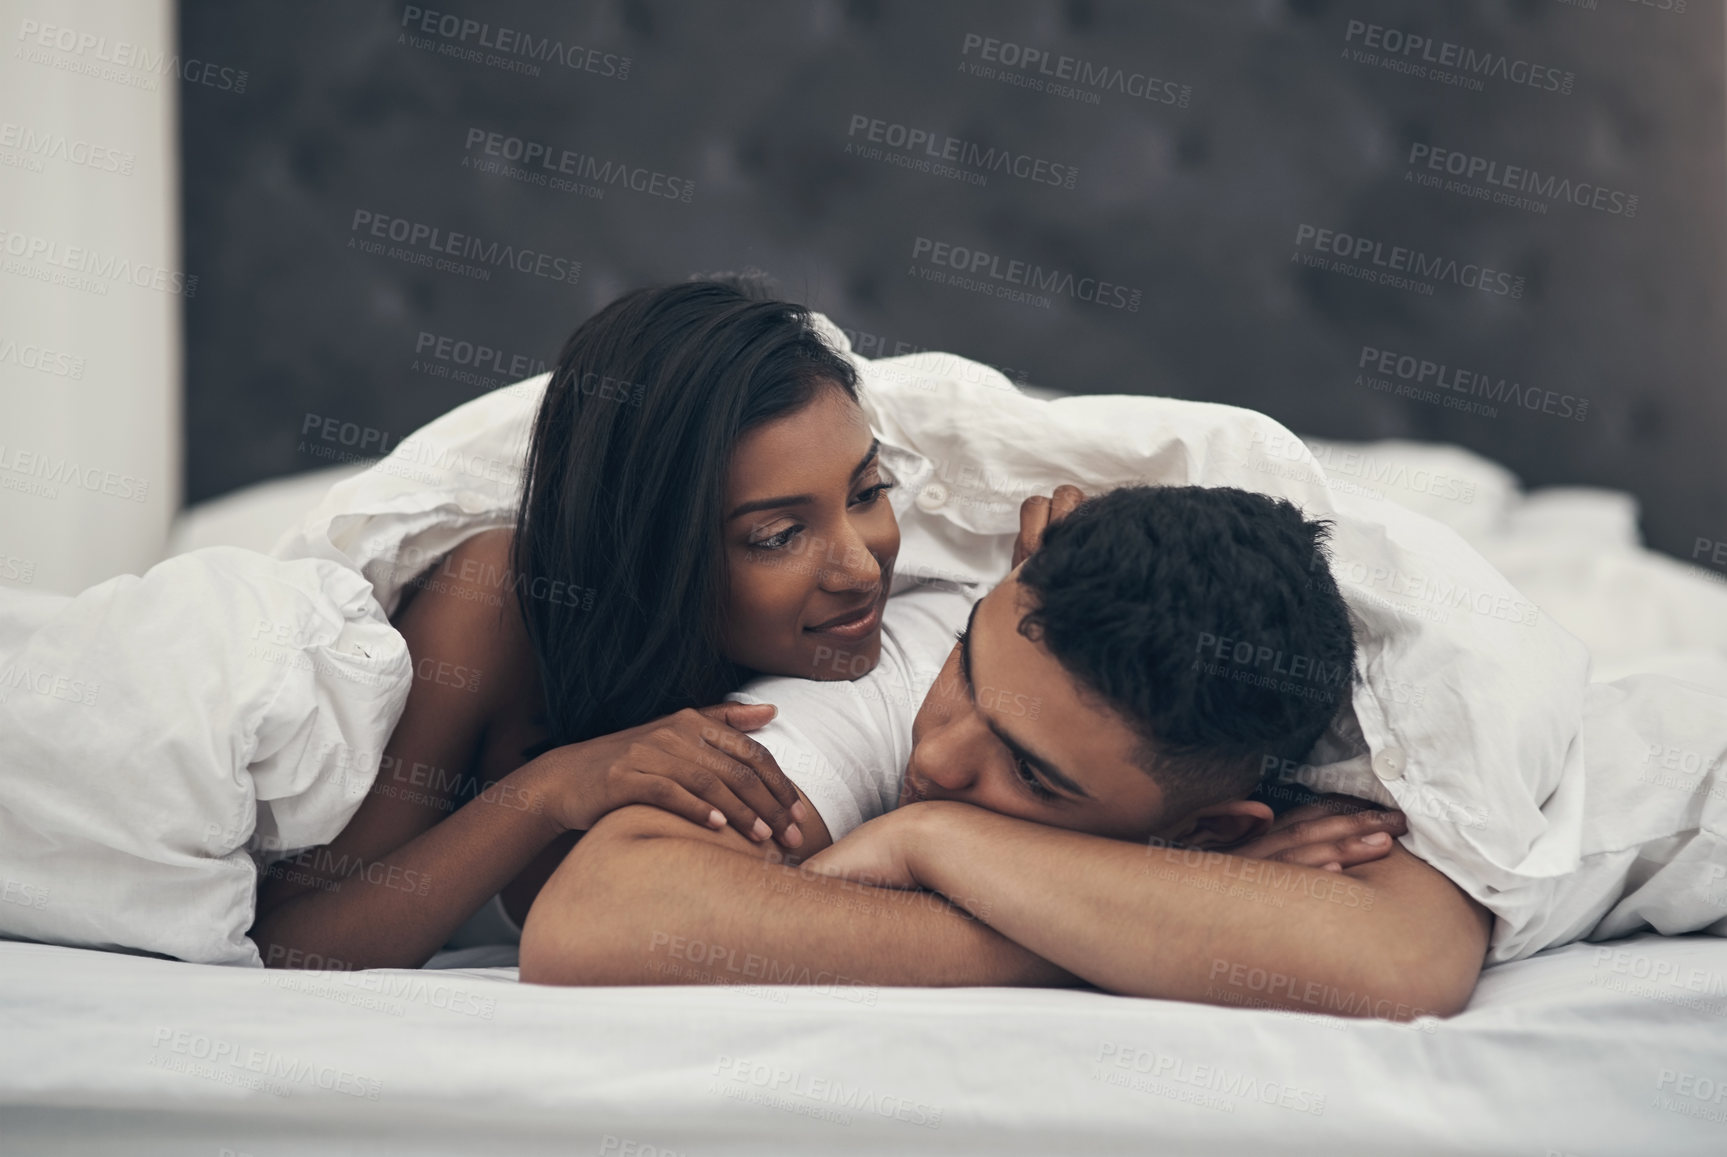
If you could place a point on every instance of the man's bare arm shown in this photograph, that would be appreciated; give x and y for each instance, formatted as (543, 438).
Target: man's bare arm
(1391, 939)
(644, 888)
(647, 898)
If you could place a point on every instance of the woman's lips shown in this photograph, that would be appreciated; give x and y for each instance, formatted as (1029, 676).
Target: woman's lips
(855, 625)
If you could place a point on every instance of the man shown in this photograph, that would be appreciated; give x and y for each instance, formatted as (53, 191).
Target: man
(1652, 851)
(1072, 702)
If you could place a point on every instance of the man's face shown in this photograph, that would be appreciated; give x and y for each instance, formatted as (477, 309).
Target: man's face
(1006, 728)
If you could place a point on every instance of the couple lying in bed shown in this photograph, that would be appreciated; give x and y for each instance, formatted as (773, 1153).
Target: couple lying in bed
(1070, 774)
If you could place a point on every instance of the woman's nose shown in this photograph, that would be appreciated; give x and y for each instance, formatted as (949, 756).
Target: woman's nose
(848, 564)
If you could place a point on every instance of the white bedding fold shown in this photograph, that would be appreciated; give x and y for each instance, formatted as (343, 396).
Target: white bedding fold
(156, 730)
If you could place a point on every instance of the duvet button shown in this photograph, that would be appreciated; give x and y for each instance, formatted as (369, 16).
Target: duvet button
(1389, 763)
(932, 498)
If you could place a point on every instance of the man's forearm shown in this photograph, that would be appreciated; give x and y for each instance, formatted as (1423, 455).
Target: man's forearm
(1392, 938)
(647, 898)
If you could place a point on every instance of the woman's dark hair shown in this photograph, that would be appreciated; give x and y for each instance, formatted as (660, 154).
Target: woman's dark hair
(620, 568)
(1208, 618)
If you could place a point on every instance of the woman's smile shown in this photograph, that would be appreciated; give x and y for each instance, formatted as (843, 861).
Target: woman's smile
(858, 623)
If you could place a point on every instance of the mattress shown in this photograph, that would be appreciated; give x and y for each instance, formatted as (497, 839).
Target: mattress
(1591, 1049)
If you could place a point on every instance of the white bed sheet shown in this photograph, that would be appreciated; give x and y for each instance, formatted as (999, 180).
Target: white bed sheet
(1580, 1051)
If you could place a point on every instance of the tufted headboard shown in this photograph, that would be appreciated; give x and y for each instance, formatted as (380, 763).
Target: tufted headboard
(1497, 223)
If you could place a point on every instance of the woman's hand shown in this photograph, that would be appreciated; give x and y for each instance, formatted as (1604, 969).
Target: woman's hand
(1335, 833)
(698, 764)
(1039, 512)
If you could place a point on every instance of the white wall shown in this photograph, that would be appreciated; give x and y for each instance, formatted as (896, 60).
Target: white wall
(90, 373)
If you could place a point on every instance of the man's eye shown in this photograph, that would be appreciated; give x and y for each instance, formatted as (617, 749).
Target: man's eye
(1027, 777)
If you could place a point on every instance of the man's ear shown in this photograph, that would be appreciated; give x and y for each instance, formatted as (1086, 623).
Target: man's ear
(1223, 825)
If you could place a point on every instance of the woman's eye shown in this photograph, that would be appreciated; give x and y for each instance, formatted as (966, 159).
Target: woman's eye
(872, 493)
(1023, 770)
(778, 541)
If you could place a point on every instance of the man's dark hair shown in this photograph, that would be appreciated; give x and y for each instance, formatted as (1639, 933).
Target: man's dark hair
(1207, 618)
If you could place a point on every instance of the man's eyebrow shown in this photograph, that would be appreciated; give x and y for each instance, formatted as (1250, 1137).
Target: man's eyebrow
(1036, 762)
(802, 499)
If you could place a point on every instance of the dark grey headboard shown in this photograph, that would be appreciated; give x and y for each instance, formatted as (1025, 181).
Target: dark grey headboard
(1144, 197)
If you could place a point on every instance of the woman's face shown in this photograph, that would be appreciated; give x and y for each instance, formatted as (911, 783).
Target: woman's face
(810, 542)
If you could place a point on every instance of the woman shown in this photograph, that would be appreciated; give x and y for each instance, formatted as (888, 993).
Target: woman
(702, 502)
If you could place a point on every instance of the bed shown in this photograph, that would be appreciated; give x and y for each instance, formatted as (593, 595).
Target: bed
(1617, 1048)
(1585, 1050)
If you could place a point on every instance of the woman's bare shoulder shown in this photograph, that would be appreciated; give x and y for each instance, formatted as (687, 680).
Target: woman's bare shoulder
(464, 612)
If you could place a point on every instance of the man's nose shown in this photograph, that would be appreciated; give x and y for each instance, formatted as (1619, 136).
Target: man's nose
(947, 755)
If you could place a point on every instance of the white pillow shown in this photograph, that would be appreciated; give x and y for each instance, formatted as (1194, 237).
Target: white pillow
(1474, 496)
(151, 727)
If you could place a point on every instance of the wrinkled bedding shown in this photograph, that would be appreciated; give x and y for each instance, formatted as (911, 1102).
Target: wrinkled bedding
(162, 735)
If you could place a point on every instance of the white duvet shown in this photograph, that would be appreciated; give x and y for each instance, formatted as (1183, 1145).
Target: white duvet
(159, 734)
